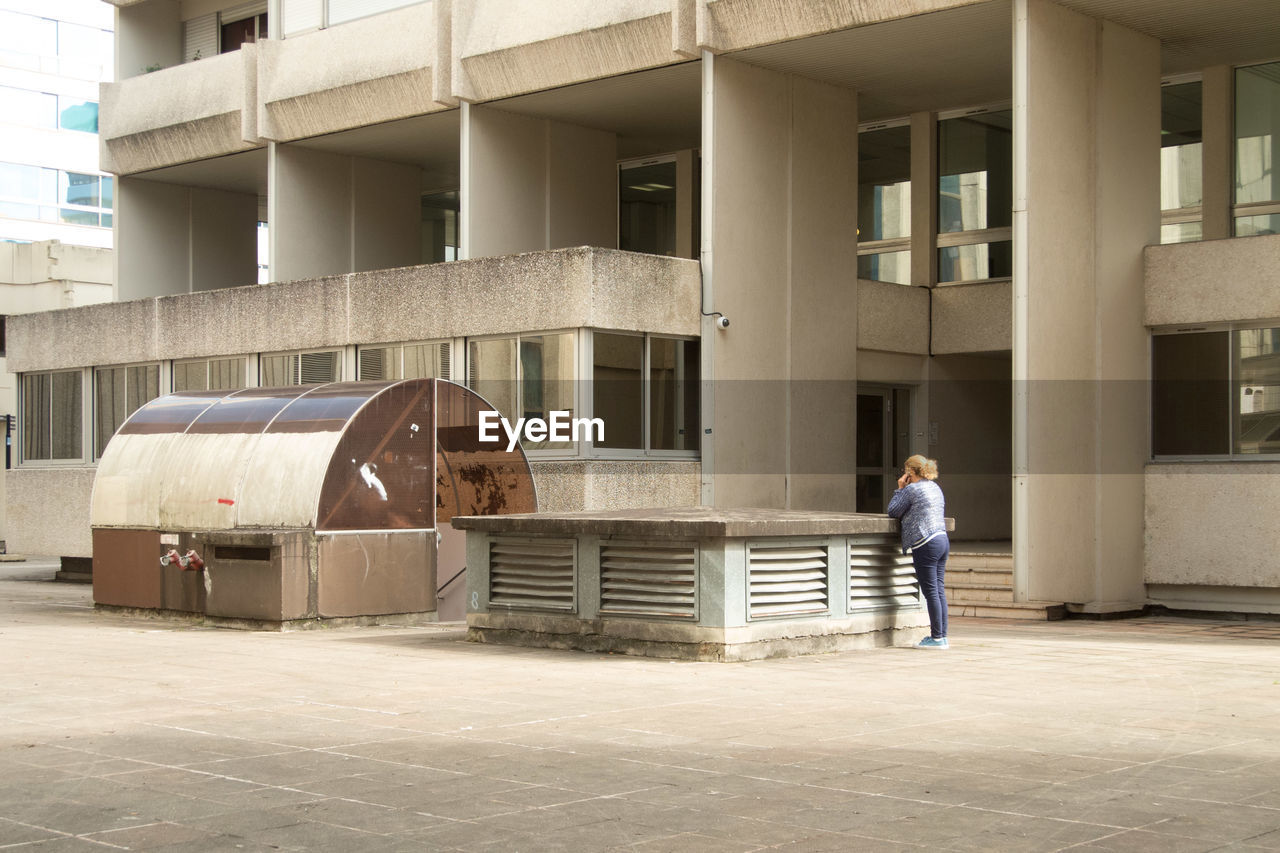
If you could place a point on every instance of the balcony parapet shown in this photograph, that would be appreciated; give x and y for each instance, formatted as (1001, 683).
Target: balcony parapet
(1212, 281)
(372, 70)
(560, 289)
(175, 115)
(497, 54)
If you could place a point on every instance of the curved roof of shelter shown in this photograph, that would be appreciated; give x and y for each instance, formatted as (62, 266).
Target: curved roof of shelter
(338, 456)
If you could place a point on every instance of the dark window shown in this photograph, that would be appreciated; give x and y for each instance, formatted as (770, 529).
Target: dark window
(1191, 394)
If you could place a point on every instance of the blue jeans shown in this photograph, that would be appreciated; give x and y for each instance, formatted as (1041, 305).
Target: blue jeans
(930, 560)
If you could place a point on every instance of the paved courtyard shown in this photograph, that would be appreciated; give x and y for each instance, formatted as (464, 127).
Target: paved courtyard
(145, 734)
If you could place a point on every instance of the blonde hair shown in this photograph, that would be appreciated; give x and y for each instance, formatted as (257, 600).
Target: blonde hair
(924, 468)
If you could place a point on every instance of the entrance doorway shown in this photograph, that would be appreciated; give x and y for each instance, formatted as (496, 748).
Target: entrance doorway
(883, 436)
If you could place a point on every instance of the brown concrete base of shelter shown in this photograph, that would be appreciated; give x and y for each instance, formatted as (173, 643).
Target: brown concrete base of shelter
(415, 620)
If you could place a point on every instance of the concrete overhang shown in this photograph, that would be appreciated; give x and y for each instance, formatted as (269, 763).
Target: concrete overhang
(180, 114)
(561, 289)
(1213, 281)
(497, 54)
(368, 71)
(430, 142)
(973, 318)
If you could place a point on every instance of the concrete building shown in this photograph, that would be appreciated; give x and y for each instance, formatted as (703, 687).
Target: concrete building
(55, 203)
(1032, 239)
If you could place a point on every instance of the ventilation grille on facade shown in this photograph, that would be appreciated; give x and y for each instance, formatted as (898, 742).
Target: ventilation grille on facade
(787, 580)
(880, 575)
(532, 573)
(649, 580)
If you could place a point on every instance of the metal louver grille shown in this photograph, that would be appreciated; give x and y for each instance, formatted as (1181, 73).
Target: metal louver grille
(649, 580)
(786, 580)
(880, 575)
(537, 574)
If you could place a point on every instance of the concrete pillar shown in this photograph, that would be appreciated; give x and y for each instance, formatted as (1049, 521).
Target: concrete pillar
(333, 214)
(173, 239)
(1217, 110)
(1087, 126)
(924, 199)
(531, 184)
(780, 222)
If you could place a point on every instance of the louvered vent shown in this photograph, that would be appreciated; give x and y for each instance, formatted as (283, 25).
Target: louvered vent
(649, 580)
(880, 575)
(318, 367)
(787, 580)
(537, 574)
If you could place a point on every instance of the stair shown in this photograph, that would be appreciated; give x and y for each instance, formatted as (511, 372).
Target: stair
(980, 583)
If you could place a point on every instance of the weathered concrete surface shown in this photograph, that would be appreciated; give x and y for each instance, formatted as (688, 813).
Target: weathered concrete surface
(972, 318)
(893, 317)
(1212, 281)
(609, 484)
(1145, 734)
(48, 511)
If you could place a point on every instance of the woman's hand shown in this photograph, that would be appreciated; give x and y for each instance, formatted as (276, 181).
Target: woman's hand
(904, 480)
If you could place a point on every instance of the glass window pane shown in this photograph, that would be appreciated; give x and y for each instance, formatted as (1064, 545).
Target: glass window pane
(617, 389)
(78, 217)
(976, 262)
(28, 34)
(892, 267)
(975, 172)
(108, 192)
(66, 414)
(110, 406)
(546, 380)
(426, 361)
(1254, 226)
(440, 227)
(37, 404)
(276, 371)
(1257, 427)
(1257, 133)
(647, 208)
(884, 183)
(674, 394)
(1180, 134)
(19, 211)
(317, 368)
(78, 188)
(1190, 394)
(491, 372)
(1181, 232)
(78, 115)
(33, 109)
(227, 374)
(190, 376)
(20, 182)
(379, 363)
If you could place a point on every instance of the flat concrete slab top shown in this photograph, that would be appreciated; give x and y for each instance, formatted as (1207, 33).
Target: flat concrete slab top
(686, 522)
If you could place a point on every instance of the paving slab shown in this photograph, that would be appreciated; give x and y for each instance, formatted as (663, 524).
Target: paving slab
(123, 732)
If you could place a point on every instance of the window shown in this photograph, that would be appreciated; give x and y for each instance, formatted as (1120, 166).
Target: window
(77, 114)
(235, 34)
(32, 192)
(299, 368)
(884, 204)
(646, 390)
(1181, 184)
(117, 393)
(975, 196)
(526, 376)
(52, 416)
(647, 206)
(32, 109)
(440, 227)
(404, 361)
(1216, 393)
(27, 34)
(1257, 184)
(210, 374)
(301, 16)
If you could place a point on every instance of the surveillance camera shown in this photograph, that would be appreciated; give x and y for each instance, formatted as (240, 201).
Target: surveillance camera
(722, 322)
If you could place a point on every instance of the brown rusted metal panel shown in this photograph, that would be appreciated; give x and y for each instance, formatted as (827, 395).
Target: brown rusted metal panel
(126, 568)
(371, 574)
(475, 477)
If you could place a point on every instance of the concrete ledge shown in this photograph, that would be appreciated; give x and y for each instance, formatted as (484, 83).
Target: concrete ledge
(972, 318)
(685, 523)
(1212, 281)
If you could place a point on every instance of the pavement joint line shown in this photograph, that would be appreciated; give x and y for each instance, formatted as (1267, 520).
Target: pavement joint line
(58, 832)
(303, 701)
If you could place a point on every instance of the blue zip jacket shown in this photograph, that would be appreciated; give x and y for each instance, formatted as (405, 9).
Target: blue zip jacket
(919, 509)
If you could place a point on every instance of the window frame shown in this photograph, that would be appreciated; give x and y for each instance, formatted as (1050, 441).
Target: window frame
(890, 245)
(343, 368)
(1241, 210)
(163, 381)
(1231, 379)
(974, 237)
(360, 349)
(86, 422)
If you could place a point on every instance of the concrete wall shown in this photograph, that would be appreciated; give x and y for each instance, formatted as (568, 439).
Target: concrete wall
(147, 34)
(333, 214)
(1230, 507)
(534, 184)
(1092, 119)
(781, 229)
(610, 485)
(48, 511)
(893, 318)
(176, 239)
(1212, 281)
(973, 318)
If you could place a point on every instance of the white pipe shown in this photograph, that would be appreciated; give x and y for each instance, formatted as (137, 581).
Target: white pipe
(707, 195)
(1021, 341)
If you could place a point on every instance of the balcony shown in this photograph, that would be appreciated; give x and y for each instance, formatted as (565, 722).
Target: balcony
(180, 114)
(1213, 281)
(372, 70)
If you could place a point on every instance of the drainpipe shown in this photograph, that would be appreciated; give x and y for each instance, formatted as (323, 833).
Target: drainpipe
(1021, 342)
(705, 258)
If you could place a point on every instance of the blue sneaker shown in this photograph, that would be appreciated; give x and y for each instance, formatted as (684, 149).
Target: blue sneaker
(931, 643)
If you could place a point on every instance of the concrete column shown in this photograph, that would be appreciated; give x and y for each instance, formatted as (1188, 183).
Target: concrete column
(1217, 110)
(176, 239)
(334, 214)
(780, 179)
(1087, 124)
(924, 199)
(534, 184)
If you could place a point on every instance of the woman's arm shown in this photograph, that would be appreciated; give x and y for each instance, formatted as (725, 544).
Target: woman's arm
(900, 502)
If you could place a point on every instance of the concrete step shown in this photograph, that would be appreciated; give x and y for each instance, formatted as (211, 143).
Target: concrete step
(978, 593)
(1037, 610)
(978, 560)
(979, 576)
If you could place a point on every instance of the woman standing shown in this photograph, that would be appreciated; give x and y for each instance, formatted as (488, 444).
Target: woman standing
(918, 505)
